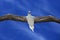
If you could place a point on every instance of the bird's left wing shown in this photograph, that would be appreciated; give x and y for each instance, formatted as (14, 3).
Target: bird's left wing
(13, 17)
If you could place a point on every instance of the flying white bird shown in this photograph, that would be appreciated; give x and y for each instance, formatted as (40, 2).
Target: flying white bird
(30, 19)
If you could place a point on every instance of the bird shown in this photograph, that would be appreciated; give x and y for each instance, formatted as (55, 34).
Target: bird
(30, 19)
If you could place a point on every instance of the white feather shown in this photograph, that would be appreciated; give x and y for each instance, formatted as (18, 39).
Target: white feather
(30, 20)
(32, 28)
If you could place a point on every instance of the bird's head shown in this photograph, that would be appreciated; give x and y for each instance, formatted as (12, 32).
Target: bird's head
(29, 12)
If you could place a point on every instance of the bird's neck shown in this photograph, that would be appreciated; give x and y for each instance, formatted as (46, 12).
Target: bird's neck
(29, 14)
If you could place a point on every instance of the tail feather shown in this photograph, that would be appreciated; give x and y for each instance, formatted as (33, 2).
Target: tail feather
(32, 28)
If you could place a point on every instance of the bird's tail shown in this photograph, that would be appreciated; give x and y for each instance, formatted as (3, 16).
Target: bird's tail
(32, 28)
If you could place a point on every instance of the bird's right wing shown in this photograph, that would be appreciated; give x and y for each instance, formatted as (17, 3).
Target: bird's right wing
(42, 19)
(46, 19)
(13, 17)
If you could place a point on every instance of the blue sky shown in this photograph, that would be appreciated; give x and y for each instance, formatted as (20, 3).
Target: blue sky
(14, 30)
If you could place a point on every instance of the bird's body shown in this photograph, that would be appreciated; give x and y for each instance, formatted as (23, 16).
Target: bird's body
(30, 20)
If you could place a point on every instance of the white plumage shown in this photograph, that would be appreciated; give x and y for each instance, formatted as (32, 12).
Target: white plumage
(30, 20)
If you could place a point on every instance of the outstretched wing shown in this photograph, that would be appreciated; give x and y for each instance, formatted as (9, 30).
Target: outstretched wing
(13, 17)
(46, 19)
(40, 19)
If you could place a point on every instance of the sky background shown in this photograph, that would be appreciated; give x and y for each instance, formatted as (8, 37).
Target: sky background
(14, 30)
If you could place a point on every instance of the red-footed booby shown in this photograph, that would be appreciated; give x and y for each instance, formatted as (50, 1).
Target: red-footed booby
(30, 19)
